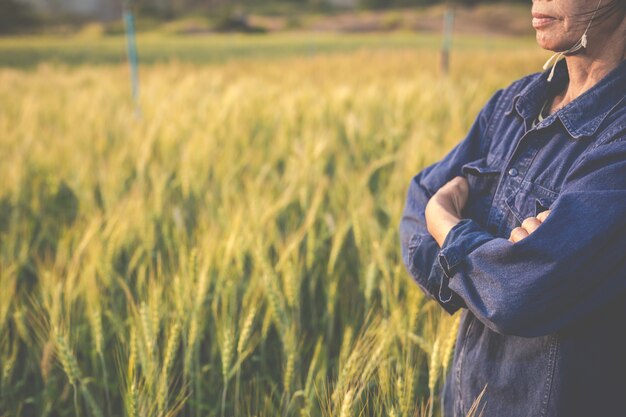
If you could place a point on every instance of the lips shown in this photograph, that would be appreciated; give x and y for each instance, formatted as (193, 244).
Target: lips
(541, 20)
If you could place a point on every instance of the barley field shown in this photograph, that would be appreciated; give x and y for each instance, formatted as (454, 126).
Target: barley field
(230, 249)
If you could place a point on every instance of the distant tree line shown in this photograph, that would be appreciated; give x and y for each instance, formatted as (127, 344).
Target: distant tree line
(382, 4)
(18, 15)
(171, 8)
(174, 8)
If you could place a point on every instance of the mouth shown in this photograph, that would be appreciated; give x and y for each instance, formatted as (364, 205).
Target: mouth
(541, 20)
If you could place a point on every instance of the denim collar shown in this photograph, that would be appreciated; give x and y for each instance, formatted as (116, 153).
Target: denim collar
(582, 116)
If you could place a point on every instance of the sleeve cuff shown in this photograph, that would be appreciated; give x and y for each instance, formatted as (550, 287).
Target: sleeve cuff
(448, 299)
(428, 274)
(463, 238)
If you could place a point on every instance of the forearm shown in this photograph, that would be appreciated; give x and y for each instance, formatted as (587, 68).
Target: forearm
(440, 226)
(443, 210)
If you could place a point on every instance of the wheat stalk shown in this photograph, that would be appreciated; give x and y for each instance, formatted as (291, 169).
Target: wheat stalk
(433, 371)
(65, 355)
(346, 404)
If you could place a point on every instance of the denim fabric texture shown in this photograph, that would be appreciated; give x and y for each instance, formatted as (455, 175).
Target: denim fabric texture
(542, 320)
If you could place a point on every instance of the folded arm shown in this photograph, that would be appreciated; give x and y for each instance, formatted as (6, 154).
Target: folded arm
(569, 266)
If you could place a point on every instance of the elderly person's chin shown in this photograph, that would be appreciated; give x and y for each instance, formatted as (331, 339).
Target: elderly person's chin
(554, 43)
(553, 38)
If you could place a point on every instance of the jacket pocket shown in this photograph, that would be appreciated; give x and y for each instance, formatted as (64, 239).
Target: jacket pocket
(528, 201)
(483, 178)
(542, 204)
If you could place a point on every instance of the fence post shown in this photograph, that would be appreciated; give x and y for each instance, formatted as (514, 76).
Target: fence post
(448, 24)
(129, 24)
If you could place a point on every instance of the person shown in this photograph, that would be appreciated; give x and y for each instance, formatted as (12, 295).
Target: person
(522, 227)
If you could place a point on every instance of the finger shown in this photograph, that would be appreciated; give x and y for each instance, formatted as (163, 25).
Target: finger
(458, 183)
(531, 224)
(453, 195)
(461, 181)
(543, 215)
(462, 191)
(518, 234)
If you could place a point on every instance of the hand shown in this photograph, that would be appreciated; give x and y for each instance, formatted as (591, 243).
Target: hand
(528, 226)
(443, 210)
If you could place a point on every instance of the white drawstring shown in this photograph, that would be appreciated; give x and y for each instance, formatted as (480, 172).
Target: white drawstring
(582, 43)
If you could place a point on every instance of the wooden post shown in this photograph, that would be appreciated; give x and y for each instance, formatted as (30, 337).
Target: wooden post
(448, 24)
(129, 24)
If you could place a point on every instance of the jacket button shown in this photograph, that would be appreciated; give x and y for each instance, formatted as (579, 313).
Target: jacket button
(513, 172)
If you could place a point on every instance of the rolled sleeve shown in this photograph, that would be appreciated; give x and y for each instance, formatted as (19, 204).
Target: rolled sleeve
(418, 255)
(464, 237)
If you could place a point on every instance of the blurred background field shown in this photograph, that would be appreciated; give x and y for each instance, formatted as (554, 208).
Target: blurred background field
(28, 52)
(232, 248)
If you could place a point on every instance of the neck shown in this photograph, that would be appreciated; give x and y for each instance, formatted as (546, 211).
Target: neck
(589, 66)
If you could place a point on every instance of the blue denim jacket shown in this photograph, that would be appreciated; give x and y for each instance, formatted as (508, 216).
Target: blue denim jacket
(543, 319)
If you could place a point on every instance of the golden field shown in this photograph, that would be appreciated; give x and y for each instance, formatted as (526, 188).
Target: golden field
(232, 249)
